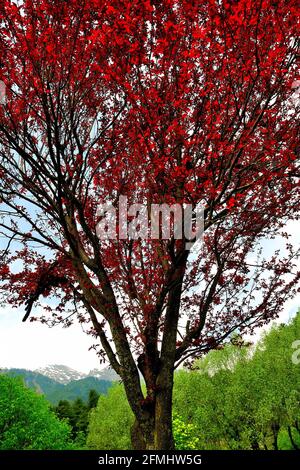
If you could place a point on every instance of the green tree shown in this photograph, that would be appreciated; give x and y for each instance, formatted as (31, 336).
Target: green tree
(277, 380)
(79, 417)
(93, 399)
(26, 421)
(240, 399)
(110, 422)
(64, 410)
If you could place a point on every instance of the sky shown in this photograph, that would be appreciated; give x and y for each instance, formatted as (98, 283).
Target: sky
(33, 345)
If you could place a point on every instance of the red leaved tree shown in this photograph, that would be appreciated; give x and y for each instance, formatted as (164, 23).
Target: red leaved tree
(175, 102)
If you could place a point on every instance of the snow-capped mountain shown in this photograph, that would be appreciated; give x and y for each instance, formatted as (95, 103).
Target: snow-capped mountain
(60, 373)
(104, 374)
(64, 374)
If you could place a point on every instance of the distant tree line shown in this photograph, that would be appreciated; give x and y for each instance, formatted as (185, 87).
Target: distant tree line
(76, 414)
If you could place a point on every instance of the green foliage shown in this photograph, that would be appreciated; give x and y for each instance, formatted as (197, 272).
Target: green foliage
(26, 421)
(185, 434)
(241, 401)
(76, 414)
(110, 422)
(284, 439)
(79, 416)
(93, 399)
(63, 410)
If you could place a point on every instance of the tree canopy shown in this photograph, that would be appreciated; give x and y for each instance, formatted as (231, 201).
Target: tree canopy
(26, 421)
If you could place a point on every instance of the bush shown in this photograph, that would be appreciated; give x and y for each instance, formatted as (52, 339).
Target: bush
(26, 421)
(110, 422)
(185, 434)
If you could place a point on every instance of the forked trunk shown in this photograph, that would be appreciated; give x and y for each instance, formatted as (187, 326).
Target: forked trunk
(157, 427)
(158, 436)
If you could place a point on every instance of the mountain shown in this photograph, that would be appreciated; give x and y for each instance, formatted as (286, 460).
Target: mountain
(104, 374)
(80, 389)
(64, 374)
(60, 373)
(63, 387)
(41, 383)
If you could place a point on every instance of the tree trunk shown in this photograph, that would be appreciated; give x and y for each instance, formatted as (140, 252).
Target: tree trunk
(275, 431)
(155, 432)
(163, 434)
(138, 439)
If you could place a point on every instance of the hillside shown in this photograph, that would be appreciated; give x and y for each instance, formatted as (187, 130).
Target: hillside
(61, 388)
